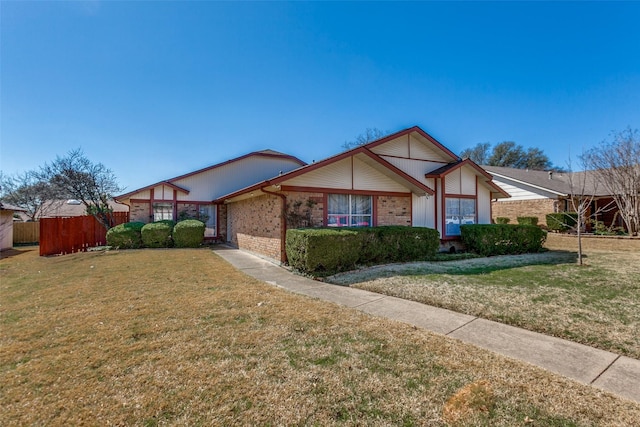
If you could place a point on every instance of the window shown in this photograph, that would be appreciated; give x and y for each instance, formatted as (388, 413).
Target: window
(347, 210)
(207, 214)
(162, 211)
(459, 212)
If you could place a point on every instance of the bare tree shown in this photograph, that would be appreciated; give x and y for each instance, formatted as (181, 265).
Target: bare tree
(478, 154)
(77, 177)
(30, 192)
(616, 163)
(370, 134)
(583, 187)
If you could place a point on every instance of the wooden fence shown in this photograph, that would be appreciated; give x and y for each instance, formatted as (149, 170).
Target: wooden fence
(60, 236)
(26, 232)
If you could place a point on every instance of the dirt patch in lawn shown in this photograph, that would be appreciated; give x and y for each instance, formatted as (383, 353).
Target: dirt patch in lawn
(178, 337)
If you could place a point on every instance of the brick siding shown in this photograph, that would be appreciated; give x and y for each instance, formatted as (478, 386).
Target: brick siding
(512, 209)
(255, 225)
(393, 210)
(186, 210)
(139, 212)
(316, 211)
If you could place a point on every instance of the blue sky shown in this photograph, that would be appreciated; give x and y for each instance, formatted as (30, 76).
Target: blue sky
(158, 89)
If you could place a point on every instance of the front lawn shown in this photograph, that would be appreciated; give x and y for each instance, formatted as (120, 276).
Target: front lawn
(596, 304)
(179, 337)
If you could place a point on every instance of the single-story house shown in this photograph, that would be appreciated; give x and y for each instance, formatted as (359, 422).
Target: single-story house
(192, 195)
(6, 225)
(407, 178)
(538, 193)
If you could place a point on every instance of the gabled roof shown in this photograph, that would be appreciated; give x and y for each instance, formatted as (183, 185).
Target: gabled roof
(559, 183)
(419, 131)
(486, 177)
(169, 182)
(8, 207)
(369, 157)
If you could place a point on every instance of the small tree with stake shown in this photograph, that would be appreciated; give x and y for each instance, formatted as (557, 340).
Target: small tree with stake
(616, 163)
(77, 177)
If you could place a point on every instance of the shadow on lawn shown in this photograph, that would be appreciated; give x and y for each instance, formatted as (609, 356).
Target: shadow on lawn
(465, 267)
(10, 253)
(505, 262)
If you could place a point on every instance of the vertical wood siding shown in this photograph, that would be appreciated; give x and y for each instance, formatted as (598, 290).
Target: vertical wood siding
(26, 232)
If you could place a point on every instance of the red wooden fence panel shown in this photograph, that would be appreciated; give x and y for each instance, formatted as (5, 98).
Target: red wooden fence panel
(61, 236)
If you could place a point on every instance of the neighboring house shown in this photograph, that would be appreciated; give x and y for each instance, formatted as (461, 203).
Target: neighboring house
(191, 195)
(6, 225)
(538, 193)
(67, 208)
(407, 178)
(71, 207)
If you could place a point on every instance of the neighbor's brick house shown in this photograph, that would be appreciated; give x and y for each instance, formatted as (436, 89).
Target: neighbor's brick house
(538, 193)
(407, 178)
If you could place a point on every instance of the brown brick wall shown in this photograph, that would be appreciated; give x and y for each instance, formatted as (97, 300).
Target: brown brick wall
(222, 222)
(139, 212)
(392, 210)
(512, 209)
(317, 211)
(186, 210)
(255, 225)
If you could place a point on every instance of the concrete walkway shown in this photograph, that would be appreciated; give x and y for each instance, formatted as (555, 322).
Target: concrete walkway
(617, 374)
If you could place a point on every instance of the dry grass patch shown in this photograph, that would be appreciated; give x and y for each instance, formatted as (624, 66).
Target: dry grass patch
(178, 337)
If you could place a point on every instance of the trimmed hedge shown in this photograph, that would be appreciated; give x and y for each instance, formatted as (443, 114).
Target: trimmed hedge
(188, 233)
(126, 236)
(502, 220)
(502, 239)
(158, 234)
(562, 221)
(527, 220)
(325, 251)
(322, 251)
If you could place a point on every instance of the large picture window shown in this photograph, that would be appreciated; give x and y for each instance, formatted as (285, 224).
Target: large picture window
(459, 212)
(162, 211)
(349, 210)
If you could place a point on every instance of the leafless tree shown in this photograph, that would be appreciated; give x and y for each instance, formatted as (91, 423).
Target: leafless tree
(30, 192)
(370, 134)
(583, 187)
(616, 164)
(77, 177)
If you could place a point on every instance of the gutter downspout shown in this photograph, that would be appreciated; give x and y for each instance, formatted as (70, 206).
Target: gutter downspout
(283, 223)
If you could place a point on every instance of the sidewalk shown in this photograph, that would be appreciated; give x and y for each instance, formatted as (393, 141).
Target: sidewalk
(617, 374)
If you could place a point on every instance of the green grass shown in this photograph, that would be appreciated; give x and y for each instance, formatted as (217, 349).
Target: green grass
(594, 304)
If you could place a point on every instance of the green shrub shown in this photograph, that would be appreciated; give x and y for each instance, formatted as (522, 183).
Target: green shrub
(400, 244)
(157, 234)
(502, 239)
(322, 251)
(188, 233)
(126, 236)
(327, 251)
(527, 220)
(562, 221)
(502, 220)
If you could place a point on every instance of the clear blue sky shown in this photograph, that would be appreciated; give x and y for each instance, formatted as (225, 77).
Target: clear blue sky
(157, 89)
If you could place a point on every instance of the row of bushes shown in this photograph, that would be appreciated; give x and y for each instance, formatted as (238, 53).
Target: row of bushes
(502, 239)
(160, 234)
(522, 220)
(325, 251)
